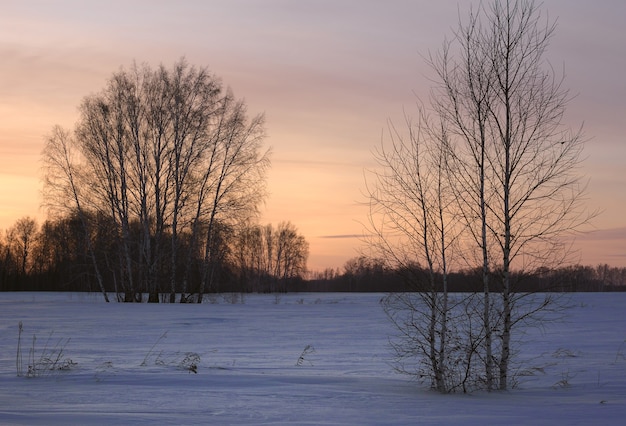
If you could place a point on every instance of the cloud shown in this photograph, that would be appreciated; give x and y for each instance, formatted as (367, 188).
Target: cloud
(608, 234)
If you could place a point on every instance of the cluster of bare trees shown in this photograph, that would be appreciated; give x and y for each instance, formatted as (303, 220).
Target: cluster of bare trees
(169, 158)
(15, 254)
(485, 177)
(59, 256)
(269, 258)
(37, 258)
(574, 278)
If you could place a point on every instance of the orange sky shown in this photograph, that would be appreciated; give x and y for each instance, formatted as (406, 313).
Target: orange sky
(327, 74)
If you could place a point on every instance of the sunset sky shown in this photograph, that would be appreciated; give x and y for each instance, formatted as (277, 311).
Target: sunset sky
(328, 74)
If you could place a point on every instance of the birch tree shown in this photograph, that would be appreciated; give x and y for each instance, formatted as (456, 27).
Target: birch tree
(62, 193)
(511, 164)
(166, 152)
(232, 183)
(409, 222)
(505, 104)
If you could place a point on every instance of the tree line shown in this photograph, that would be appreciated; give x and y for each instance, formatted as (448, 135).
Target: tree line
(55, 257)
(255, 258)
(364, 274)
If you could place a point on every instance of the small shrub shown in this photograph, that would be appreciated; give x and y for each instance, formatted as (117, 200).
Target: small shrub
(18, 357)
(150, 352)
(564, 353)
(564, 383)
(48, 361)
(308, 350)
(190, 362)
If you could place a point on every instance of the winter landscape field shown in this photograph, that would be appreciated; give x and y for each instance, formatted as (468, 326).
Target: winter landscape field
(303, 359)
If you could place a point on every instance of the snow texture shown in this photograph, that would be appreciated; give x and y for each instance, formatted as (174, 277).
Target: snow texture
(298, 359)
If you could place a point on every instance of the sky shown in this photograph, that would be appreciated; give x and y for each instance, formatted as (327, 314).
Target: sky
(327, 74)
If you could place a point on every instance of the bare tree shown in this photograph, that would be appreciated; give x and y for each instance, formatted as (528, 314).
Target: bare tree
(462, 103)
(511, 165)
(410, 226)
(62, 188)
(506, 106)
(289, 254)
(25, 232)
(268, 258)
(232, 183)
(165, 153)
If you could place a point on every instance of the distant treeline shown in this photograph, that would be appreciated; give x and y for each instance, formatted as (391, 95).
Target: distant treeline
(255, 258)
(367, 275)
(576, 278)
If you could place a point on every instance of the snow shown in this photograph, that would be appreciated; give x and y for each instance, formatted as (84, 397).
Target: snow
(128, 364)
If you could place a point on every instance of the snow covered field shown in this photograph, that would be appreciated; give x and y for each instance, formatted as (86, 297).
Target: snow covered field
(309, 359)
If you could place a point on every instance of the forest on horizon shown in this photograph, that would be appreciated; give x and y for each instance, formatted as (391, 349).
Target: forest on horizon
(53, 257)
